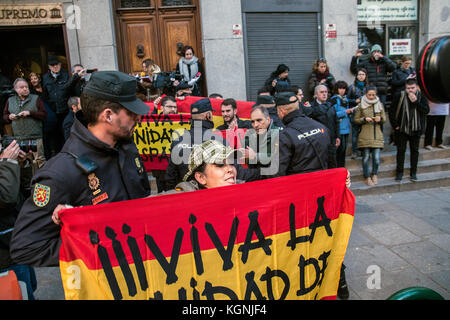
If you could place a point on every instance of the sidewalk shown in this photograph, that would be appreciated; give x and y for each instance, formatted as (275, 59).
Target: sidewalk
(405, 236)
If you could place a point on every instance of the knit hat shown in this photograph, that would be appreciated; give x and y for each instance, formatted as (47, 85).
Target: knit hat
(376, 47)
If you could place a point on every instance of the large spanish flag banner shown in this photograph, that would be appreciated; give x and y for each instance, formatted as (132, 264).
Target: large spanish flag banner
(154, 132)
(282, 238)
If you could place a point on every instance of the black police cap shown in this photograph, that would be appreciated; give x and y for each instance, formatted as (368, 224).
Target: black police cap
(285, 98)
(201, 106)
(117, 87)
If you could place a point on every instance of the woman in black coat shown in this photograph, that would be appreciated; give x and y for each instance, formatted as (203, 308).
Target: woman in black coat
(279, 80)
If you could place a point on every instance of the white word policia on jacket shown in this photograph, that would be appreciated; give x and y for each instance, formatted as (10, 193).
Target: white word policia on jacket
(309, 134)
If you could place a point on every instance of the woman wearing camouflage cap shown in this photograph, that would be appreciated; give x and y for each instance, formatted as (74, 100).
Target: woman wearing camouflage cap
(210, 166)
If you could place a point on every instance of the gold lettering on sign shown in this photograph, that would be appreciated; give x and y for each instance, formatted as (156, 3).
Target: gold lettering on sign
(45, 13)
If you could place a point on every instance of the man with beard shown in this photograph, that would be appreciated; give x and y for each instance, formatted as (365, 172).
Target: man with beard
(408, 117)
(201, 130)
(99, 164)
(168, 107)
(230, 118)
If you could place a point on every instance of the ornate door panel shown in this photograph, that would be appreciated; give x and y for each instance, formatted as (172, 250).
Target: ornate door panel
(141, 42)
(176, 29)
(155, 29)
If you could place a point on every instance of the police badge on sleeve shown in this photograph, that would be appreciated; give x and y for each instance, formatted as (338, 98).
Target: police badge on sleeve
(41, 195)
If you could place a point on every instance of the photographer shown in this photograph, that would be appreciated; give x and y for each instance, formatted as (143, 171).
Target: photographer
(377, 67)
(10, 202)
(26, 112)
(74, 86)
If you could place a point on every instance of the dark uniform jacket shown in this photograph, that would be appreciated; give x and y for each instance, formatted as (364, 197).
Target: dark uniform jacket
(303, 145)
(120, 176)
(181, 148)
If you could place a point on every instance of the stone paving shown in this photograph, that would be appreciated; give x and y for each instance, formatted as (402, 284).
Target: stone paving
(406, 238)
(398, 240)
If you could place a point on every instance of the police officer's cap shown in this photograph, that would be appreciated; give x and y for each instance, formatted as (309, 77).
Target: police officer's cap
(284, 98)
(264, 99)
(117, 87)
(201, 106)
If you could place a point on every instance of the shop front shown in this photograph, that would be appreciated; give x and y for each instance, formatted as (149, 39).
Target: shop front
(392, 24)
(29, 34)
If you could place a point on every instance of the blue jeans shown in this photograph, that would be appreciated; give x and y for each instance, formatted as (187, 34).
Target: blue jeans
(375, 152)
(26, 274)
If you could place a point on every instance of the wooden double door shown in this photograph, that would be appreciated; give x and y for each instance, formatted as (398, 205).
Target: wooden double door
(155, 29)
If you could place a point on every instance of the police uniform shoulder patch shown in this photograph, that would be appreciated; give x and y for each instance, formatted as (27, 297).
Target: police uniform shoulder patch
(41, 195)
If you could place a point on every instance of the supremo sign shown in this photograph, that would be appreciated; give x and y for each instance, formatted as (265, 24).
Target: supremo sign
(286, 241)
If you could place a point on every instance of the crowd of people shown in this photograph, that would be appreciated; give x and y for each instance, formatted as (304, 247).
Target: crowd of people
(79, 133)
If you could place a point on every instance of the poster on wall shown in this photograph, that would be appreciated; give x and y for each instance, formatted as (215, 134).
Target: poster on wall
(394, 10)
(400, 47)
(330, 32)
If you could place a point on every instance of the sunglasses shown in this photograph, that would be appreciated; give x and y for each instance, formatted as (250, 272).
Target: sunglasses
(322, 60)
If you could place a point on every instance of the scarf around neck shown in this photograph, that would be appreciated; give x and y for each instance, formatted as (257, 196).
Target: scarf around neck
(321, 76)
(409, 121)
(360, 85)
(377, 105)
(188, 68)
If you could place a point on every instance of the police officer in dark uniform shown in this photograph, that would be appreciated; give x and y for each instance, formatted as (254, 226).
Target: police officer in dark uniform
(201, 124)
(303, 145)
(201, 130)
(98, 164)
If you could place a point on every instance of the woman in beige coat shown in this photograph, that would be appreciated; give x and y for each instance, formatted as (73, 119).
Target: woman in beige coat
(370, 115)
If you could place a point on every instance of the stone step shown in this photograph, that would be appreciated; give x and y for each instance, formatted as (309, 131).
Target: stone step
(388, 158)
(389, 171)
(391, 147)
(389, 185)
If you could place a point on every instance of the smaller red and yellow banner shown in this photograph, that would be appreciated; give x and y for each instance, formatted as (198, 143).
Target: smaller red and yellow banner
(155, 131)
